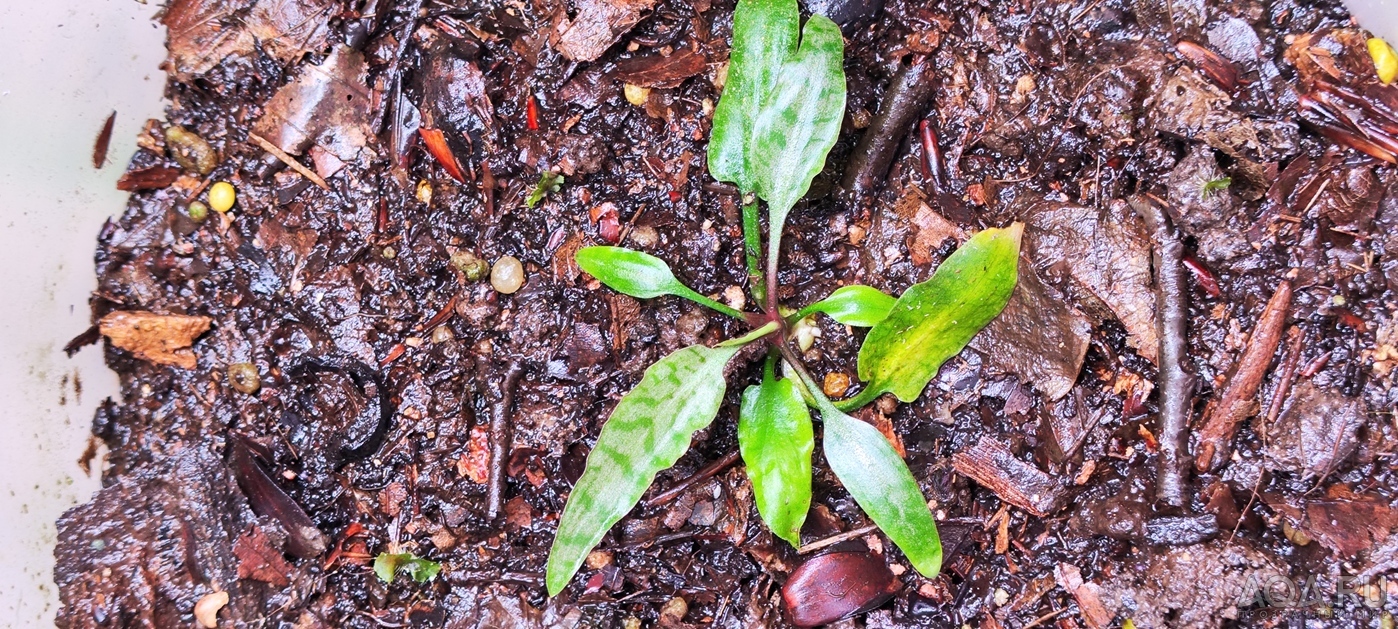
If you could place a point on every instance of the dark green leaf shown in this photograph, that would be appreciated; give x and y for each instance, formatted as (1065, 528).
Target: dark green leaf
(764, 36)
(388, 565)
(879, 480)
(858, 305)
(640, 275)
(649, 430)
(935, 319)
(799, 121)
(775, 438)
(549, 182)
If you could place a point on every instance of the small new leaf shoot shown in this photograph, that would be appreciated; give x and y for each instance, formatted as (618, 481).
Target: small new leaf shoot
(549, 183)
(389, 565)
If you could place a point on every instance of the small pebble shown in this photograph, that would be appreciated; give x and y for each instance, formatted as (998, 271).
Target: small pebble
(222, 196)
(507, 275)
(190, 151)
(645, 236)
(442, 334)
(472, 267)
(243, 378)
(835, 385)
(424, 192)
(598, 559)
(734, 297)
(635, 94)
(197, 211)
(673, 611)
(206, 610)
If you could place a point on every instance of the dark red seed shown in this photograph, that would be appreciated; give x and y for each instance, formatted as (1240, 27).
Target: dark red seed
(837, 585)
(104, 139)
(436, 142)
(1220, 70)
(1203, 276)
(148, 178)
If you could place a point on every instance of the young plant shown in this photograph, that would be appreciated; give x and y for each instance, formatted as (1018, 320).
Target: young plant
(778, 118)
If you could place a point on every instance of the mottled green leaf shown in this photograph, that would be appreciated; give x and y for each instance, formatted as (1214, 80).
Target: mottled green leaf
(639, 274)
(764, 36)
(775, 438)
(879, 480)
(649, 430)
(798, 122)
(388, 565)
(858, 305)
(935, 319)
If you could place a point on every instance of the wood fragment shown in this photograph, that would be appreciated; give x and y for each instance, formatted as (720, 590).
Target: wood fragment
(501, 394)
(104, 140)
(991, 464)
(1288, 376)
(1239, 399)
(837, 539)
(288, 160)
(1085, 593)
(1175, 383)
(908, 95)
(161, 339)
(708, 471)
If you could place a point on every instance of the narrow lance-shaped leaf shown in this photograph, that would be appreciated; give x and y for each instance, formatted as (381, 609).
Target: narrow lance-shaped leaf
(649, 430)
(798, 123)
(776, 440)
(764, 36)
(935, 319)
(879, 480)
(858, 305)
(639, 274)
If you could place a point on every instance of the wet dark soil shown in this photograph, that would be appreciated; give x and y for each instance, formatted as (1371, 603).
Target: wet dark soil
(382, 356)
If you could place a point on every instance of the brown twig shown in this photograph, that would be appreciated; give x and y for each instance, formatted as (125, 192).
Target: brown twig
(1288, 375)
(907, 96)
(1174, 382)
(288, 160)
(501, 393)
(836, 539)
(1238, 401)
(703, 474)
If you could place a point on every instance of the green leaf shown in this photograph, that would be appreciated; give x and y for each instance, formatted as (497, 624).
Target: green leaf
(798, 122)
(649, 430)
(1214, 186)
(775, 438)
(640, 274)
(857, 305)
(388, 565)
(935, 319)
(764, 36)
(549, 182)
(879, 480)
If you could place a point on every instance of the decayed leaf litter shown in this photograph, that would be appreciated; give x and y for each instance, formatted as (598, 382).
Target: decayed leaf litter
(1325, 215)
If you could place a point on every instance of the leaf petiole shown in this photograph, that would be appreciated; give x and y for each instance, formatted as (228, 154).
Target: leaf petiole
(770, 327)
(752, 248)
